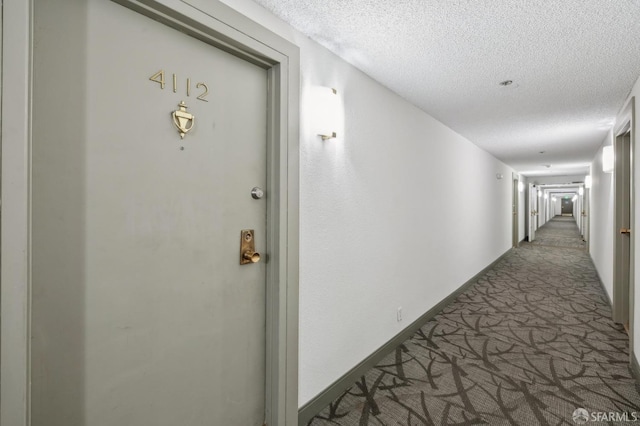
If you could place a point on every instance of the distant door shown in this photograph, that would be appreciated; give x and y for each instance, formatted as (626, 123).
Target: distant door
(533, 211)
(143, 173)
(622, 218)
(567, 207)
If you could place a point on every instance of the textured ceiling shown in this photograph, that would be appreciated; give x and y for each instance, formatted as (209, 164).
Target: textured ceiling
(572, 62)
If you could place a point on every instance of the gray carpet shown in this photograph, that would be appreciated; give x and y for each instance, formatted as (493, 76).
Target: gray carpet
(559, 232)
(528, 344)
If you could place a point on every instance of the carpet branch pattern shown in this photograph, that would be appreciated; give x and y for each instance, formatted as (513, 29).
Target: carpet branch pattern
(530, 342)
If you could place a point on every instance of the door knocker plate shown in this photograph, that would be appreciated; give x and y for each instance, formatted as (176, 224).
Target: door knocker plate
(248, 248)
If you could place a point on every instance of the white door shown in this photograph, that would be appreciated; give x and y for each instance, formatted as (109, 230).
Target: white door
(142, 313)
(533, 212)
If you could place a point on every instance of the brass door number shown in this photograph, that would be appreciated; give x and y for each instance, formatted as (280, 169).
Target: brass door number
(248, 248)
(203, 88)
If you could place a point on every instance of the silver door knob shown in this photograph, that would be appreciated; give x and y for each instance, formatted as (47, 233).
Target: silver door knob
(257, 193)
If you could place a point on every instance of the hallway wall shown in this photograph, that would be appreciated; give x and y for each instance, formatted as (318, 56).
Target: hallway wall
(635, 224)
(601, 242)
(522, 210)
(398, 211)
(546, 180)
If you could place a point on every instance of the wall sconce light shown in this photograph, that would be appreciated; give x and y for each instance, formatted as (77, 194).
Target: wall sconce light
(554, 198)
(607, 159)
(587, 181)
(546, 196)
(539, 193)
(326, 112)
(520, 186)
(581, 191)
(575, 197)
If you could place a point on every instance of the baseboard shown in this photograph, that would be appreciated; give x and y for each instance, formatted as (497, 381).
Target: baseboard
(604, 289)
(633, 361)
(325, 397)
(635, 367)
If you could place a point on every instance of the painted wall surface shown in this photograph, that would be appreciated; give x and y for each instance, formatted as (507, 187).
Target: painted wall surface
(602, 219)
(398, 211)
(635, 221)
(542, 210)
(601, 241)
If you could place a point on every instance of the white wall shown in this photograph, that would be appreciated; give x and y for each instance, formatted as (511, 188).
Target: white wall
(601, 241)
(601, 232)
(374, 235)
(557, 207)
(635, 221)
(522, 211)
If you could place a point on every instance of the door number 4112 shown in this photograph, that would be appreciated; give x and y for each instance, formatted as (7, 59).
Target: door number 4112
(201, 87)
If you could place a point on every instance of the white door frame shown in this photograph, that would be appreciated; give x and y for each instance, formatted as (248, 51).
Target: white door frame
(533, 206)
(220, 26)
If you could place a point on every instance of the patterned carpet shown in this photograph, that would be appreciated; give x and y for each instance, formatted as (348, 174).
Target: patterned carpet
(559, 232)
(528, 344)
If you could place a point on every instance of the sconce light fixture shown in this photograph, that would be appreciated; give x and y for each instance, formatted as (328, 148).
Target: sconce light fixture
(520, 186)
(607, 159)
(581, 191)
(587, 181)
(575, 197)
(539, 193)
(546, 196)
(553, 198)
(326, 112)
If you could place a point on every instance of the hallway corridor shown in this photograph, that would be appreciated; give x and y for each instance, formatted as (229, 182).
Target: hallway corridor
(530, 342)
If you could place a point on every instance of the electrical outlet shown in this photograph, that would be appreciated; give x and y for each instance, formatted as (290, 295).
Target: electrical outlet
(399, 313)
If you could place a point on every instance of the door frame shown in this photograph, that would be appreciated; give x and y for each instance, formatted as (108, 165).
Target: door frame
(623, 298)
(587, 217)
(533, 202)
(224, 28)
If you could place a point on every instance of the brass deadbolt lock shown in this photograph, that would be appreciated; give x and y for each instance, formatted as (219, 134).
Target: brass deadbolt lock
(248, 248)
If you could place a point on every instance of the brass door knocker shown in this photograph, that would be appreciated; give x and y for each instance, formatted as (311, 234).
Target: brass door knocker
(182, 119)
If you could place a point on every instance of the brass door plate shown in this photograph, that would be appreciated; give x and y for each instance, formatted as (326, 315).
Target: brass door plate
(248, 247)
